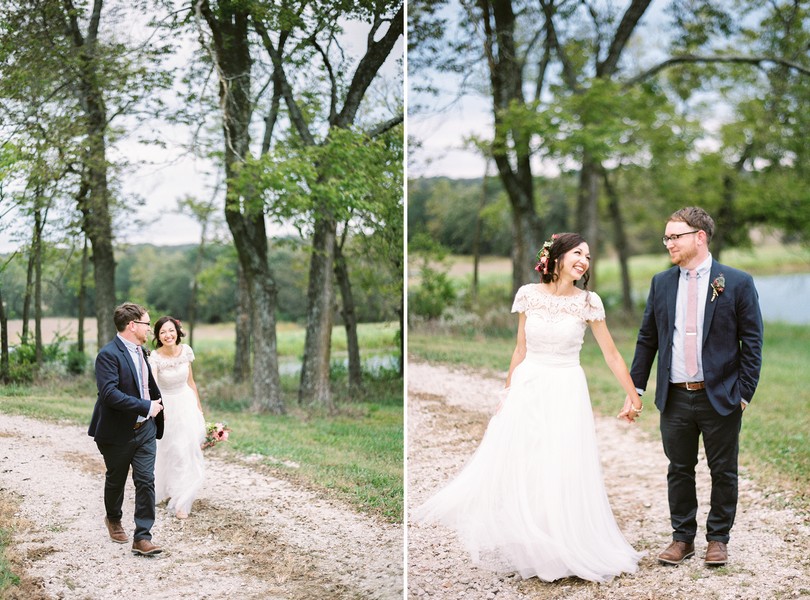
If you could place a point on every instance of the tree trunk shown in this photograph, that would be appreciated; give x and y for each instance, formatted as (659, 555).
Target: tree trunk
(349, 315)
(511, 145)
(525, 232)
(82, 295)
(94, 200)
(476, 241)
(241, 367)
(620, 241)
(36, 252)
(588, 210)
(29, 292)
(4, 374)
(229, 25)
(315, 388)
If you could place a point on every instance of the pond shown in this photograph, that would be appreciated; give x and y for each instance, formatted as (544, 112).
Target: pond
(785, 298)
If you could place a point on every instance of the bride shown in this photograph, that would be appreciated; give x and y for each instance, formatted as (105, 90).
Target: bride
(532, 498)
(179, 467)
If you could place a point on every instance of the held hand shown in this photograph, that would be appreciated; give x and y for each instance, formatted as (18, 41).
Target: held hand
(628, 413)
(155, 408)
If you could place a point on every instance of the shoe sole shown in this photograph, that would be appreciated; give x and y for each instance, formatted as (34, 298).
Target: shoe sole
(147, 553)
(119, 541)
(715, 563)
(664, 561)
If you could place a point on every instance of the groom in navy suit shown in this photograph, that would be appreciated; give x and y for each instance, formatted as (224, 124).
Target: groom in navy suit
(127, 419)
(704, 322)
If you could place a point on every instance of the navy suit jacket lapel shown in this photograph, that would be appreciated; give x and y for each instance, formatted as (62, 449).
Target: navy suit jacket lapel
(128, 360)
(709, 313)
(671, 295)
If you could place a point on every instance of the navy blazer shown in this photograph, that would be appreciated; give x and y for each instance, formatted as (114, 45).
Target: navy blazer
(732, 338)
(119, 399)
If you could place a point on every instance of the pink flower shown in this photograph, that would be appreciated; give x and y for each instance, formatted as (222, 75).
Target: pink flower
(215, 433)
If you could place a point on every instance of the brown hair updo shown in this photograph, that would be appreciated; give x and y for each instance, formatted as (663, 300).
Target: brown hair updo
(552, 250)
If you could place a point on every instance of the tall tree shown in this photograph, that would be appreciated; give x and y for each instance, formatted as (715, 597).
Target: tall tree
(319, 37)
(230, 48)
(62, 68)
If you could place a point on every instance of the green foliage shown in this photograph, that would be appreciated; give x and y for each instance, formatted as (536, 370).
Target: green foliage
(22, 361)
(76, 361)
(343, 175)
(433, 295)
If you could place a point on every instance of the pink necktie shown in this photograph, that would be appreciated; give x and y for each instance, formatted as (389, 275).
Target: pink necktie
(691, 325)
(144, 376)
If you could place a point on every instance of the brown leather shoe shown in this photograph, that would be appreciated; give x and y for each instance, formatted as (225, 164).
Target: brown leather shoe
(716, 554)
(676, 553)
(116, 531)
(145, 548)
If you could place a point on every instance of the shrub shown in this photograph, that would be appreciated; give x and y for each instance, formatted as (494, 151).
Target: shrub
(434, 294)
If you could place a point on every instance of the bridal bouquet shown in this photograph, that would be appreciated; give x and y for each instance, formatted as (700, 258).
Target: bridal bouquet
(215, 433)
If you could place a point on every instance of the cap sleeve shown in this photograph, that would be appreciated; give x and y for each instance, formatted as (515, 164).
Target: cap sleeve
(594, 309)
(521, 301)
(189, 352)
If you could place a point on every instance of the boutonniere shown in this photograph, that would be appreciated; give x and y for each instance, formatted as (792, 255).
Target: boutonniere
(718, 285)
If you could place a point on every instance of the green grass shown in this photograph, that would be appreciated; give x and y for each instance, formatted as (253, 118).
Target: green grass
(357, 454)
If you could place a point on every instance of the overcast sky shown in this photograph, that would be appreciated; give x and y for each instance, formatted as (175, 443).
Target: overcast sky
(168, 174)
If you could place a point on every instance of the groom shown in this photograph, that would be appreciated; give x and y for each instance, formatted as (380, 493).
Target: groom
(127, 419)
(703, 320)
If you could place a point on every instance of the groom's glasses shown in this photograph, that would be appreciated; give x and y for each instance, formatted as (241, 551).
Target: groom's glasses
(674, 237)
(147, 323)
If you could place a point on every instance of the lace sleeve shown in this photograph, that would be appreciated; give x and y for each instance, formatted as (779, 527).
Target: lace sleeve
(188, 352)
(594, 309)
(521, 303)
(153, 362)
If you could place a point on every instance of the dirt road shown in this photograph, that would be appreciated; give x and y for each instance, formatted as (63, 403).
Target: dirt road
(448, 411)
(250, 535)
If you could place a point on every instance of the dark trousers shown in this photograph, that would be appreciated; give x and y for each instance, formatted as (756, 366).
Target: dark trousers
(687, 416)
(139, 453)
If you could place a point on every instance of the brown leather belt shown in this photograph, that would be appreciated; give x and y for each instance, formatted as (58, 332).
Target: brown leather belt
(692, 386)
(139, 425)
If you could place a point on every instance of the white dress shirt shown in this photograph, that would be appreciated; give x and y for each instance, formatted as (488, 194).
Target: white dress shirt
(678, 372)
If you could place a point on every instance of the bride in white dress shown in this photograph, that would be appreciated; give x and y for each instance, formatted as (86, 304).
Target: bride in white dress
(532, 498)
(179, 466)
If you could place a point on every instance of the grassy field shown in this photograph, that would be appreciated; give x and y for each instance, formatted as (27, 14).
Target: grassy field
(356, 454)
(775, 444)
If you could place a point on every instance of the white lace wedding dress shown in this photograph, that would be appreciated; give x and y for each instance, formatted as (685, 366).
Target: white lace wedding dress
(532, 498)
(179, 466)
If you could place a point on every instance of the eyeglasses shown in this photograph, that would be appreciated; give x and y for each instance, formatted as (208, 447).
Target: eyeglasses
(676, 236)
(147, 323)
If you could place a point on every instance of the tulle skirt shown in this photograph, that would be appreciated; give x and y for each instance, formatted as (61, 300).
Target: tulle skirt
(179, 466)
(532, 499)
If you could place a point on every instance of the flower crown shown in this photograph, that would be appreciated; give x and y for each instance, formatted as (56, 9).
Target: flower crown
(544, 254)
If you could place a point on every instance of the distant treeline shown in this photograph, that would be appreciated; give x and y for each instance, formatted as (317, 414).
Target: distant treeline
(161, 278)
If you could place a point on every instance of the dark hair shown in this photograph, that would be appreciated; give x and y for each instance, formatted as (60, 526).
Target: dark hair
(126, 313)
(560, 244)
(697, 218)
(161, 322)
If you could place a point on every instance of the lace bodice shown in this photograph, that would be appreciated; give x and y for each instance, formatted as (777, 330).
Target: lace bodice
(555, 325)
(171, 373)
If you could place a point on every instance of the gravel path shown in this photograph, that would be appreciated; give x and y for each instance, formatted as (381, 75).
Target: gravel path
(448, 410)
(250, 535)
